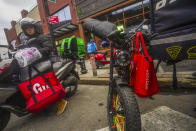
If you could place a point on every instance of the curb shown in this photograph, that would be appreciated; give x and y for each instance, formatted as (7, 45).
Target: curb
(163, 82)
(94, 81)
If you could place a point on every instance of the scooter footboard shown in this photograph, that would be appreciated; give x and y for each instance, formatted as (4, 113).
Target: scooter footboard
(6, 92)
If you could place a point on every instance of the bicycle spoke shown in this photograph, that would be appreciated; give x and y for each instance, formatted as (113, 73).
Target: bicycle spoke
(118, 118)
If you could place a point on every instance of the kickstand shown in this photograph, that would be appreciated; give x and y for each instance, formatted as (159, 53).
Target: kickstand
(157, 67)
(175, 81)
(150, 97)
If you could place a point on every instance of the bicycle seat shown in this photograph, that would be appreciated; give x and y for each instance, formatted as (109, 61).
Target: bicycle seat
(7, 68)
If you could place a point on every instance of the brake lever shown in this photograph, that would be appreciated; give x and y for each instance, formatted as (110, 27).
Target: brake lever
(143, 22)
(32, 40)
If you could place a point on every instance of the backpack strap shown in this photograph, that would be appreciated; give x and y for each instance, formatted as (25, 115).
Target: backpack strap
(175, 80)
(30, 85)
(138, 38)
(46, 79)
(69, 44)
(157, 66)
(63, 47)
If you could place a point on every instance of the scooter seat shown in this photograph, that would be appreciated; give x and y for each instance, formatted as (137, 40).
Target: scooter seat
(57, 66)
(42, 66)
(7, 90)
(102, 52)
(12, 67)
(8, 85)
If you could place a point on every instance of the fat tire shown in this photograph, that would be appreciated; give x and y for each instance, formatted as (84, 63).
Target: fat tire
(129, 104)
(4, 118)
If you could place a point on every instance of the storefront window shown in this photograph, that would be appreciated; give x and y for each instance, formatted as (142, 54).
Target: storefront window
(64, 14)
(126, 18)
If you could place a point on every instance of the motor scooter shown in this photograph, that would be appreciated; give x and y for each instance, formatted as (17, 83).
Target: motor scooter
(101, 59)
(12, 100)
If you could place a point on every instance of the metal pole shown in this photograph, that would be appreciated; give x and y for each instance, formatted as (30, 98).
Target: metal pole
(143, 12)
(124, 19)
(111, 60)
(92, 60)
(152, 15)
(47, 12)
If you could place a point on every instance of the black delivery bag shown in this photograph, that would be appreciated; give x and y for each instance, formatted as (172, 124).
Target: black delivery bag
(174, 26)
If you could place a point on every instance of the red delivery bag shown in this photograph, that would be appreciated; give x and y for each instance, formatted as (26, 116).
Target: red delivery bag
(42, 91)
(143, 77)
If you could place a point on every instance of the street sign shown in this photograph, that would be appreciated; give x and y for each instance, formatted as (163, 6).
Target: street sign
(53, 19)
(54, 1)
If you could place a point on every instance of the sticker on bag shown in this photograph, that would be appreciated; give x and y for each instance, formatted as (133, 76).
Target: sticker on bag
(37, 88)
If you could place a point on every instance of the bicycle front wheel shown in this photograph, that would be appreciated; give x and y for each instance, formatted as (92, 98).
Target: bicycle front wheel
(123, 111)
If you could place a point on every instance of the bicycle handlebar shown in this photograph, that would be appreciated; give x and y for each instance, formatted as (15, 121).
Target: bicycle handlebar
(143, 22)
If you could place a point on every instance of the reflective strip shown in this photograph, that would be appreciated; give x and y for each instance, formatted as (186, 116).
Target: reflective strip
(174, 39)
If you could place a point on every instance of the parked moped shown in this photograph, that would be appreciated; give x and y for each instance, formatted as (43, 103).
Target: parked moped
(11, 99)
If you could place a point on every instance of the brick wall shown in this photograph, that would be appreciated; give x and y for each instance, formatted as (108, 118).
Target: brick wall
(14, 31)
(11, 33)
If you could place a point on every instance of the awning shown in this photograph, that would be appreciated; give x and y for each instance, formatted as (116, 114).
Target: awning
(4, 46)
(64, 28)
(133, 7)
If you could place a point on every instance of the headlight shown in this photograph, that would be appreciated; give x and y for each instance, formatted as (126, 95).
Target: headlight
(123, 58)
(145, 27)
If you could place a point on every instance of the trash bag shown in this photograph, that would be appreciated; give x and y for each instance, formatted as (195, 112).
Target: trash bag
(27, 56)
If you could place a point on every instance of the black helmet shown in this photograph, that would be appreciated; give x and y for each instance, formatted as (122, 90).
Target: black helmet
(27, 22)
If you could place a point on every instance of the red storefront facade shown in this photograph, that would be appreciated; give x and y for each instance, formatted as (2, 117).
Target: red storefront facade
(54, 8)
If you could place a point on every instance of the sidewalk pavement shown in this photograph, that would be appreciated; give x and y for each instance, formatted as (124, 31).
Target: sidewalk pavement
(185, 79)
(165, 119)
